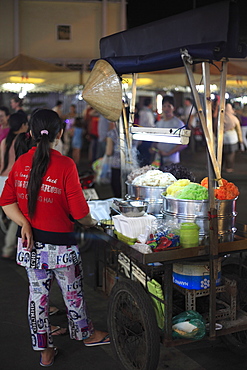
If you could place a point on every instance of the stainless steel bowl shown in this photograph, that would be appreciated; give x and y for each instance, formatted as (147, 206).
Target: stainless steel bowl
(131, 208)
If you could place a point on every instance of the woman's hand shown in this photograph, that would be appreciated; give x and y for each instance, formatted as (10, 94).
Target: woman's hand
(88, 221)
(27, 236)
(15, 214)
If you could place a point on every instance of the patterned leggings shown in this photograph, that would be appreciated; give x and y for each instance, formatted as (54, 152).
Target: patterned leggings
(70, 281)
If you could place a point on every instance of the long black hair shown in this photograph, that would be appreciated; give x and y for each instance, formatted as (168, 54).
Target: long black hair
(16, 120)
(23, 143)
(45, 124)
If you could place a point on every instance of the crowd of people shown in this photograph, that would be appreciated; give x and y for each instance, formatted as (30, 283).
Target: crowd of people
(86, 134)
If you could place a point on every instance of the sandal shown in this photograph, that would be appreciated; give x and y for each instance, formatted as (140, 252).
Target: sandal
(51, 363)
(105, 340)
(53, 311)
(57, 330)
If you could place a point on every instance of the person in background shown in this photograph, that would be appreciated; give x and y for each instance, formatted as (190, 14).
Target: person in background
(215, 112)
(113, 151)
(77, 139)
(72, 113)
(17, 125)
(91, 121)
(169, 153)
(146, 119)
(52, 197)
(243, 122)
(237, 109)
(136, 115)
(4, 124)
(68, 130)
(190, 119)
(7, 152)
(231, 138)
(16, 104)
(58, 108)
(103, 128)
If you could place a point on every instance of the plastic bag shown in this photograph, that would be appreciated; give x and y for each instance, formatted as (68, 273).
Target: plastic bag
(102, 168)
(189, 324)
(143, 248)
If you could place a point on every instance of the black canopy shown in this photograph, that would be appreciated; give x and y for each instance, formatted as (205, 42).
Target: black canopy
(210, 32)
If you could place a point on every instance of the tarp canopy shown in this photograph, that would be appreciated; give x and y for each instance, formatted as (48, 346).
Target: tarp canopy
(177, 77)
(24, 63)
(46, 76)
(210, 32)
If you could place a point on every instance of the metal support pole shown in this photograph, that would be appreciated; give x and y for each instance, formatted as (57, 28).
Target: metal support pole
(209, 141)
(207, 98)
(220, 128)
(213, 165)
(133, 99)
(122, 156)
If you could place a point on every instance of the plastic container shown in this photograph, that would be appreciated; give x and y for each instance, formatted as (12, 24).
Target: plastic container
(189, 234)
(194, 275)
(124, 238)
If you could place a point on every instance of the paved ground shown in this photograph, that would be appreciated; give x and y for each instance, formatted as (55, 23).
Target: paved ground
(15, 349)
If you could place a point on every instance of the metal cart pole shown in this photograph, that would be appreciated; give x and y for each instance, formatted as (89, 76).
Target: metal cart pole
(214, 169)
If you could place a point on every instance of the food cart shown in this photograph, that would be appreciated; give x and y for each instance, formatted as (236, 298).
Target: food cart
(203, 36)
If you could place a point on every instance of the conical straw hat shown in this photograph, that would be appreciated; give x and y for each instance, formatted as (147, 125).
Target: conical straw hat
(103, 91)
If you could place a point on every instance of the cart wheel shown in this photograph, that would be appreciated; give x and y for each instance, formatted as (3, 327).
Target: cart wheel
(133, 327)
(237, 342)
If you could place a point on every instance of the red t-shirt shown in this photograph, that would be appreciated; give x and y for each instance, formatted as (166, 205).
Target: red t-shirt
(59, 198)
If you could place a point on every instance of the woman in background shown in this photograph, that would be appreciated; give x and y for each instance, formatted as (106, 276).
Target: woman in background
(169, 153)
(113, 151)
(231, 138)
(243, 122)
(77, 139)
(17, 125)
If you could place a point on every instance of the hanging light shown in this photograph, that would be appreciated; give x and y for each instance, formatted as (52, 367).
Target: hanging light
(161, 135)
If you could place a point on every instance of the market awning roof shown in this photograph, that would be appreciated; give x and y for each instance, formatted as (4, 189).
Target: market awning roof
(46, 76)
(210, 32)
(24, 63)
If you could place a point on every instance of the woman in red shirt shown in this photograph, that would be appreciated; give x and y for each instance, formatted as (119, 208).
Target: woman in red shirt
(43, 196)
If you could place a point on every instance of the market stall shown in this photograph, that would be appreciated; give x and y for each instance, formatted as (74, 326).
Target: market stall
(138, 316)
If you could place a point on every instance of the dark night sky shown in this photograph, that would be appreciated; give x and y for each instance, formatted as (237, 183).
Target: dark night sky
(144, 11)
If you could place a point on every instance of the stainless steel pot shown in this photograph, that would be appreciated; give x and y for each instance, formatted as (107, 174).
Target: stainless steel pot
(145, 192)
(151, 194)
(184, 210)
